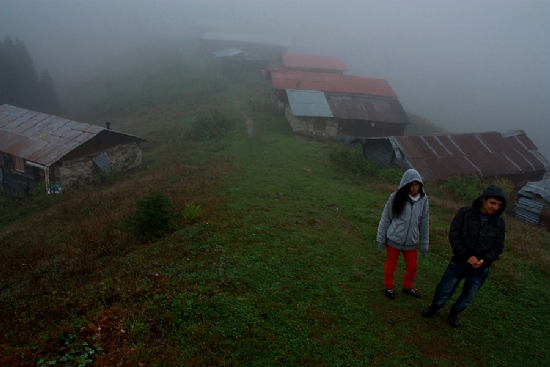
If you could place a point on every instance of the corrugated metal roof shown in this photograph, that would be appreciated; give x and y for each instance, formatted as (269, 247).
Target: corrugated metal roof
(227, 53)
(533, 205)
(302, 61)
(326, 82)
(308, 103)
(487, 154)
(43, 138)
(528, 211)
(540, 188)
(368, 108)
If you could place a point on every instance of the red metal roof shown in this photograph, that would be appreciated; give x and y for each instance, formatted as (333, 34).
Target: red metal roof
(326, 82)
(440, 156)
(42, 138)
(301, 61)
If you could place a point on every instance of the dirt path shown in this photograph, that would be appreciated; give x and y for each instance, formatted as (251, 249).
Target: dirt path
(250, 126)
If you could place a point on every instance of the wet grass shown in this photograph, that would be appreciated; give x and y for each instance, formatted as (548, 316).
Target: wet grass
(280, 269)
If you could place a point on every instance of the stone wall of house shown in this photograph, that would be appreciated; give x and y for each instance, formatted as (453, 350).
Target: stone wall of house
(124, 157)
(72, 173)
(307, 125)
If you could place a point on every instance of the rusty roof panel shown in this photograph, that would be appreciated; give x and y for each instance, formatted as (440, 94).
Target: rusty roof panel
(522, 144)
(43, 138)
(368, 108)
(435, 146)
(424, 149)
(423, 168)
(525, 142)
(326, 82)
(406, 145)
(438, 167)
(301, 61)
(493, 141)
(82, 137)
(484, 154)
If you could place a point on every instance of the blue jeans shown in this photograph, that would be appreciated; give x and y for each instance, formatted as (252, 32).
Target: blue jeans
(448, 284)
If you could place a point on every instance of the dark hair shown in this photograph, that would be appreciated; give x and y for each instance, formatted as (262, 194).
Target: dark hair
(399, 199)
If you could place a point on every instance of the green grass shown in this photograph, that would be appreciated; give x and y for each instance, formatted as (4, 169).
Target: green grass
(280, 269)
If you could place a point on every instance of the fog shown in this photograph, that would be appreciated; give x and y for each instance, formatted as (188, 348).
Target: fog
(467, 66)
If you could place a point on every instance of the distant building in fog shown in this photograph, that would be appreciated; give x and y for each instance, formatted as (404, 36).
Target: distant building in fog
(265, 47)
(233, 59)
(338, 107)
(311, 63)
(344, 117)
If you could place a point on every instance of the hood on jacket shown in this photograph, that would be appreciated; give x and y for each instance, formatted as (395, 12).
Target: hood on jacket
(495, 192)
(409, 176)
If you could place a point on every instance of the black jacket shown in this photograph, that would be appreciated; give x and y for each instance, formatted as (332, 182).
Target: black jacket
(469, 238)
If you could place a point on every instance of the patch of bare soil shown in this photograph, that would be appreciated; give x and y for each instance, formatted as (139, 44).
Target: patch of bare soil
(250, 126)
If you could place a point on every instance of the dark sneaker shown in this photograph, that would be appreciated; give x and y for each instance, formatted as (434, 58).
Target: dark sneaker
(453, 320)
(389, 293)
(412, 292)
(430, 311)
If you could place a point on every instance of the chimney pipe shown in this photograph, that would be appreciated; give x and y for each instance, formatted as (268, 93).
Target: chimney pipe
(108, 125)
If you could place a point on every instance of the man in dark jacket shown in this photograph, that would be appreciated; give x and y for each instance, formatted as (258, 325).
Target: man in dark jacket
(477, 239)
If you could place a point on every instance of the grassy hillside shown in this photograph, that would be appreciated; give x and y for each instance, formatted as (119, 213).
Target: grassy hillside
(279, 269)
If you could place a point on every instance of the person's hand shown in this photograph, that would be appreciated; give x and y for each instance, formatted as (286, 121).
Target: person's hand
(475, 262)
(478, 264)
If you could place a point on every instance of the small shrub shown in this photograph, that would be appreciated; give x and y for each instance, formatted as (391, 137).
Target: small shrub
(213, 125)
(192, 213)
(352, 160)
(391, 175)
(38, 190)
(462, 189)
(154, 216)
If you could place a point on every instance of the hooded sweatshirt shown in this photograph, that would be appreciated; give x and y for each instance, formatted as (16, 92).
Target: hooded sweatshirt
(411, 226)
(470, 236)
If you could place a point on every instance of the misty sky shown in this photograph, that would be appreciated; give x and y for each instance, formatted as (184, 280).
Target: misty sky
(466, 65)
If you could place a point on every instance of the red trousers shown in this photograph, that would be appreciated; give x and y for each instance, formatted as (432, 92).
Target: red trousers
(411, 266)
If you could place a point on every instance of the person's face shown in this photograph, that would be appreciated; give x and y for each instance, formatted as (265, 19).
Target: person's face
(490, 206)
(414, 188)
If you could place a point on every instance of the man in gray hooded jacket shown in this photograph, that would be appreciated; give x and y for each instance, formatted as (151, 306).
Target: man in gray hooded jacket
(476, 237)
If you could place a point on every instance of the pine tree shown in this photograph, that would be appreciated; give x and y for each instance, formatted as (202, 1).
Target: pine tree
(19, 84)
(46, 97)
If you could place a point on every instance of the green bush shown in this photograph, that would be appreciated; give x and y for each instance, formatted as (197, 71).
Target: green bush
(462, 189)
(213, 125)
(154, 216)
(391, 175)
(352, 160)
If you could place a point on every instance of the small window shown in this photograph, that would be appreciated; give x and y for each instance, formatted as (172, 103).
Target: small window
(19, 164)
